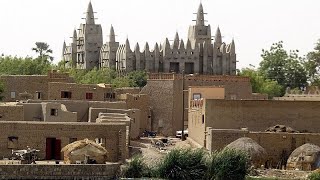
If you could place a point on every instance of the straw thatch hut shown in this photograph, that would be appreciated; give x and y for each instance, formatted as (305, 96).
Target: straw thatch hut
(84, 150)
(305, 157)
(257, 154)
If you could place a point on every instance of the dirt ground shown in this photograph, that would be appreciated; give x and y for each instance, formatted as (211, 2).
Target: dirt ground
(284, 174)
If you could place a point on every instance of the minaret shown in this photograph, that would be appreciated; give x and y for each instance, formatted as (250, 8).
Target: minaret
(127, 44)
(200, 16)
(112, 36)
(74, 37)
(181, 45)
(232, 48)
(218, 38)
(146, 47)
(90, 14)
(188, 45)
(137, 48)
(63, 49)
(176, 41)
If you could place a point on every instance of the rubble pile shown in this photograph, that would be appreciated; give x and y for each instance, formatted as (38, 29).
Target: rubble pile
(281, 128)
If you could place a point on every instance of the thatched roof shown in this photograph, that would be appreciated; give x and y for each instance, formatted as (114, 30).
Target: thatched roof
(86, 146)
(305, 157)
(305, 150)
(257, 153)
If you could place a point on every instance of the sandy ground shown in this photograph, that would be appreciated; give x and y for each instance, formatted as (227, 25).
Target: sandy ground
(284, 174)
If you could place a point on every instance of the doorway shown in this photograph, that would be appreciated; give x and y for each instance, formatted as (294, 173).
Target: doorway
(53, 148)
(174, 67)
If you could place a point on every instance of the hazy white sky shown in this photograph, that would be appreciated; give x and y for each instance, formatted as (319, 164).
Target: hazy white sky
(254, 24)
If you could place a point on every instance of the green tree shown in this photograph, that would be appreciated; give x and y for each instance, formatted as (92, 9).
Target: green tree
(260, 84)
(138, 78)
(312, 65)
(23, 66)
(286, 68)
(43, 50)
(96, 76)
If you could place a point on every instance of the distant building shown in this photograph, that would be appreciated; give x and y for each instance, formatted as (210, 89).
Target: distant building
(198, 54)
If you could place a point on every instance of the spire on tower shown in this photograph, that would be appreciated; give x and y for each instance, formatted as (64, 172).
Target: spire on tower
(188, 46)
(90, 14)
(112, 36)
(74, 37)
(232, 47)
(137, 48)
(200, 16)
(181, 45)
(127, 43)
(218, 38)
(146, 47)
(156, 47)
(176, 40)
(63, 48)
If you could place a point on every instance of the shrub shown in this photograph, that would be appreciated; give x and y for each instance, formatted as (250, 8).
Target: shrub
(228, 164)
(182, 164)
(136, 168)
(314, 176)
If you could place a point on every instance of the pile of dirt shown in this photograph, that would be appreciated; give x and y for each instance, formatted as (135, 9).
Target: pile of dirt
(281, 128)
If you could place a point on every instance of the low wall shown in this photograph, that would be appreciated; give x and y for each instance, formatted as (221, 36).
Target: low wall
(74, 172)
(258, 115)
(279, 146)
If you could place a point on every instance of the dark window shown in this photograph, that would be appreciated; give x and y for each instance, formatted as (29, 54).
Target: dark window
(66, 94)
(89, 95)
(38, 95)
(110, 95)
(202, 119)
(54, 112)
(174, 67)
(12, 142)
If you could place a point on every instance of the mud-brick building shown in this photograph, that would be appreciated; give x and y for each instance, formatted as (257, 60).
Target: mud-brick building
(21, 87)
(50, 137)
(166, 96)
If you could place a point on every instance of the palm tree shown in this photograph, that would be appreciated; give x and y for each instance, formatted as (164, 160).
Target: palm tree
(43, 50)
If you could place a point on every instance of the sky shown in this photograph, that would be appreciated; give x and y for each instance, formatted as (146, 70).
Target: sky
(254, 24)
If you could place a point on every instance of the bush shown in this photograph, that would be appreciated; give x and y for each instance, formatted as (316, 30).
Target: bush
(136, 168)
(314, 176)
(182, 164)
(228, 164)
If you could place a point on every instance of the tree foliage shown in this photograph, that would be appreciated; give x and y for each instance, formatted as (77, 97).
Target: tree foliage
(23, 66)
(312, 65)
(182, 164)
(287, 68)
(108, 76)
(227, 164)
(136, 168)
(260, 84)
(43, 51)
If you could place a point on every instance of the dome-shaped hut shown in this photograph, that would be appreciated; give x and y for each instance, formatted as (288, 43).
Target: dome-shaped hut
(84, 151)
(305, 157)
(257, 154)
